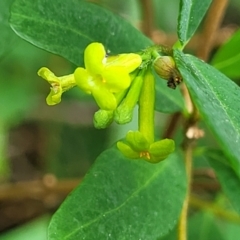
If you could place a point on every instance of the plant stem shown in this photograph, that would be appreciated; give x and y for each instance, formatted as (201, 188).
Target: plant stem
(182, 227)
(210, 27)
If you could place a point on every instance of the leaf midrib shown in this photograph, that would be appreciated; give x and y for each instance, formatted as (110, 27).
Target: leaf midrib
(121, 205)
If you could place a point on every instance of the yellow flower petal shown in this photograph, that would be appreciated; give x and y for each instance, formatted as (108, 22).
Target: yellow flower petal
(105, 99)
(130, 61)
(116, 78)
(47, 75)
(54, 97)
(84, 80)
(94, 57)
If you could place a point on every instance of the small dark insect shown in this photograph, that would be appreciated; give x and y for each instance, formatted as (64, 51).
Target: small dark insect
(174, 79)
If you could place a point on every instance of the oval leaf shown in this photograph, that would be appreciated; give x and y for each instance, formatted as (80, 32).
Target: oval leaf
(217, 99)
(123, 199)
(67, 27)
(190, 15)
(227, 58)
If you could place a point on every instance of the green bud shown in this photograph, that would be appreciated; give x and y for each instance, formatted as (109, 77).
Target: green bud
(102, 118)
(165, 67)
(124, 112)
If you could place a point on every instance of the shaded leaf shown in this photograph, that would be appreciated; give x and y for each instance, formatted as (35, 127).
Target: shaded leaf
(67, 27)
(203, 226)
(227, 58)
(123, 199)
(216, 98)
(190, 15)
(36, 230)
(168, 100)
(8, 38)
(229, 180)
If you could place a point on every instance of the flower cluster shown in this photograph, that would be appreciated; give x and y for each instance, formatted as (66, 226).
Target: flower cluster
(118, 83)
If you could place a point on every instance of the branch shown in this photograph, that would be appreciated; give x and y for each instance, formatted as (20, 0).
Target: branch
(38, 189)
(210, 28)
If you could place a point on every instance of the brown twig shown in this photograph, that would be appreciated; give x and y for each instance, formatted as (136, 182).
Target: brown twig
(211, 25)
(172, 125)
(148, 25)
(38, 189)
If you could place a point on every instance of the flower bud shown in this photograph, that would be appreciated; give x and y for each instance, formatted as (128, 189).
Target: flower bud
(124, 112)
(102, 118)
(165, 67)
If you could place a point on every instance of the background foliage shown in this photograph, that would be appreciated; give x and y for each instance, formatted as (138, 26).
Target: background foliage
(42, 144)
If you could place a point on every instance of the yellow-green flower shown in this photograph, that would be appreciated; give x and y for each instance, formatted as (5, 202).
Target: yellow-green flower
(58, 85)
(104, 76)
(137, 146)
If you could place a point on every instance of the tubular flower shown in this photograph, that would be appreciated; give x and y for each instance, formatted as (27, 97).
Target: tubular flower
(58, 85)
(104, 76)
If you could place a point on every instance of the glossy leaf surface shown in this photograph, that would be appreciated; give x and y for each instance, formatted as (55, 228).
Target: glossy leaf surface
(216, 98)
(67, 27)
(123, 199)
(190, 16)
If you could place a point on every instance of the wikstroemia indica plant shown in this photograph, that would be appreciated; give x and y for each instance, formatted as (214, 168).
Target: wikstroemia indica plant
(124, 195)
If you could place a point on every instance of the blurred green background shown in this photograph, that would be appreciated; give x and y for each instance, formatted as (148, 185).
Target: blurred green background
(52, 147)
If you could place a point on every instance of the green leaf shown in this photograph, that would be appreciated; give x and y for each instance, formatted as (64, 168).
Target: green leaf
(8, 38)
(168, 100)
(227, 58)
(190, 15)
(217, 99)
(123, 199)
(203, 226)
(67, 27)
(229, 180)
